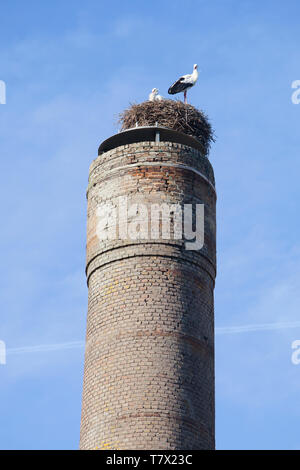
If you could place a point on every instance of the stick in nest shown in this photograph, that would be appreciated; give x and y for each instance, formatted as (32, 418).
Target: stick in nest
(172, 114)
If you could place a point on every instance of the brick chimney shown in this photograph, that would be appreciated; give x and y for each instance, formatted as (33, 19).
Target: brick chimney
(149, 359)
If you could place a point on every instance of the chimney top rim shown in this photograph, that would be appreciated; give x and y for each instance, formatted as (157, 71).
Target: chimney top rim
(148, 134)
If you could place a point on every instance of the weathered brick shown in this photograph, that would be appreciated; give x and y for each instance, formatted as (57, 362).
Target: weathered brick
(149, 360)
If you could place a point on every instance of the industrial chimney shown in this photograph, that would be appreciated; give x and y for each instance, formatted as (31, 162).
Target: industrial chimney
(149, 359)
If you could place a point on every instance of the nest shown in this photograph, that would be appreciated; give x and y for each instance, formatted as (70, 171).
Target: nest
(172, 114)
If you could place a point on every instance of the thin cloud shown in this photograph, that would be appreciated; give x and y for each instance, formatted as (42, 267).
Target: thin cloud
(45, 347)
(224, 330)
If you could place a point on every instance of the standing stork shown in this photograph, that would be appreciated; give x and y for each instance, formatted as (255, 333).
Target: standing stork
(184, 83)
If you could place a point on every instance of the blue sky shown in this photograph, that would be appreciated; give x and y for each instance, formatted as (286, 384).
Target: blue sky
(69, 69)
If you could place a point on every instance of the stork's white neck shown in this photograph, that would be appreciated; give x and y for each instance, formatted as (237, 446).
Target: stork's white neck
(195, 75)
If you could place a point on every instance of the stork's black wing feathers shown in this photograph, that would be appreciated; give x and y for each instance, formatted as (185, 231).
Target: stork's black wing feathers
(179, 86)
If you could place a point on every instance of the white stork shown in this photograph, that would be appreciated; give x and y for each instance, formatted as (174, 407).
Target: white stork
(154, 96)
(184, 83)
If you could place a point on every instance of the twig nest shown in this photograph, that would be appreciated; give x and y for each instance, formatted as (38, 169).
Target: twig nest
(175, 115)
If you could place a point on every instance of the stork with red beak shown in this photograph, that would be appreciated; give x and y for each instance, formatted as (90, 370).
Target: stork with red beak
(184, 83)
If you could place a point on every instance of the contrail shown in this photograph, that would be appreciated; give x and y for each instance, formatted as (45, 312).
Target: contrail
(46, 347)
(227, 330)
(223, 330)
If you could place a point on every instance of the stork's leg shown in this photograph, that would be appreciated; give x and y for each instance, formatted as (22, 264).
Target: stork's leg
(185, 99)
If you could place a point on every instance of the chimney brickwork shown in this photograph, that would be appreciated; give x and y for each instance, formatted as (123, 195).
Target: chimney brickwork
(149, 360)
